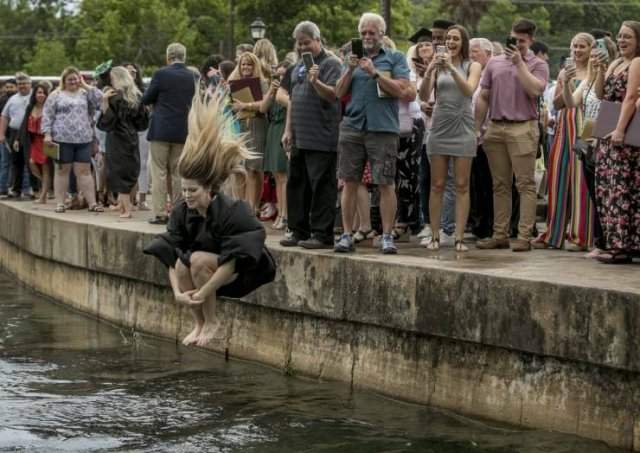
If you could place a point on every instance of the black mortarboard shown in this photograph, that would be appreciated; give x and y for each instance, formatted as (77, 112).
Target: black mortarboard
(599, 33)
(422, 35)
(442, 24)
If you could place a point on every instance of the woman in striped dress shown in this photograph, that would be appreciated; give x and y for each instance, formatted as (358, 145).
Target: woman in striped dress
(570, 212)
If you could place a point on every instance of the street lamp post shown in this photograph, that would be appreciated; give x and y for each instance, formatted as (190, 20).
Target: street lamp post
(258, 29)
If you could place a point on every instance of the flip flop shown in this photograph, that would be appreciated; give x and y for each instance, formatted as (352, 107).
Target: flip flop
(614, 258)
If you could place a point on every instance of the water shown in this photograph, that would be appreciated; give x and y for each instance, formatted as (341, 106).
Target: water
(70, 383)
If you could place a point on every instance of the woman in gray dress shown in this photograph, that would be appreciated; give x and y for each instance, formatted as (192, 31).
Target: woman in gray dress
(452, 136)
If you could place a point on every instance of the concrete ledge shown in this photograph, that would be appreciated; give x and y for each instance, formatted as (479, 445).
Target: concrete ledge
(493, 335)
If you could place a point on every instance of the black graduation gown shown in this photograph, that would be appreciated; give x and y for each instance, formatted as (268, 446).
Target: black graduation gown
(230, 231)
(122, 123)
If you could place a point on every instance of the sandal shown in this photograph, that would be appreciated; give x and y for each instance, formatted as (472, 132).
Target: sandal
(60, 208)
(460, 247)
(614, 257)
(433, 244)
(401, 233)
(96, 208)
(360, 235)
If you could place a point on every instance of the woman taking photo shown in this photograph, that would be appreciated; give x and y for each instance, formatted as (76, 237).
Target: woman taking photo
(617, 164)
(275, 159)
(255, 125)
(214, 245)
(570, 213)
(123, 116)
(454, 78)
(32, 138)
(68, 121)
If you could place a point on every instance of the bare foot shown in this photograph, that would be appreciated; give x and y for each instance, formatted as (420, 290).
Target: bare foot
(41, 200)
(192, 338)
(125, 215)
(208, 333)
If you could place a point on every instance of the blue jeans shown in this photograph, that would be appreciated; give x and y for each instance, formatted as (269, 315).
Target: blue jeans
(5, 166)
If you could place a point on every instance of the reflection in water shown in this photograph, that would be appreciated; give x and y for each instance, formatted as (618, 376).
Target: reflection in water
(70, 383)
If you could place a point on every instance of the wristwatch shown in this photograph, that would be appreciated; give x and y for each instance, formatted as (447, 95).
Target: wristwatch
(376, 75)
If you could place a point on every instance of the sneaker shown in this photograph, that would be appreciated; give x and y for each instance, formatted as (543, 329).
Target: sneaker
(344, 244)
(315, 244)
(447, 240)
(520, 245)
(426, 232)
(388, 247)
(491, 243)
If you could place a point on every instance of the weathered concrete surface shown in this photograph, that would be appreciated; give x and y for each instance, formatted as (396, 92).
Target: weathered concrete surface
(543, 340)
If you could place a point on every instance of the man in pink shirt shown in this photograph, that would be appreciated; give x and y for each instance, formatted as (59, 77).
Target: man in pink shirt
(511, 84)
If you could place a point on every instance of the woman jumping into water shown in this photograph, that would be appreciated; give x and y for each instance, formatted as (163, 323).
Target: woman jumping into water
(214, 245)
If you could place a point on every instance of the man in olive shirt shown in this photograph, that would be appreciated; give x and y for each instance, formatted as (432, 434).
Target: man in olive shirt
(370, 128)
(511, 84)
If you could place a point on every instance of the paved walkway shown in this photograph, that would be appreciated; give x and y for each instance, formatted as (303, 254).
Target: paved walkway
(551, 266)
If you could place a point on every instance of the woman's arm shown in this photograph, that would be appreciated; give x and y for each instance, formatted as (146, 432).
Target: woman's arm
(282, 98)
(629, 103)
(428, 82)
(267, 101)
(466, 85)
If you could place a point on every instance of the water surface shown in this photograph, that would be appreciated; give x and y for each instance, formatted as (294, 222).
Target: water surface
(71, 383)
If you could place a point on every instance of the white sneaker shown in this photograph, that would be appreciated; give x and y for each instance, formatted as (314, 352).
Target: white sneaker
(446, 240)
(426, 232)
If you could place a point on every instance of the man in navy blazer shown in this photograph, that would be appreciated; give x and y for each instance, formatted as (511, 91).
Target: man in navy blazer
(170, 93)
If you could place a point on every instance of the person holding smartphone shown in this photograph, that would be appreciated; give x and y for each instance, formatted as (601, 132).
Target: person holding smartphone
(511, 85)
(570, 214)
(310, 139)
(370, 127)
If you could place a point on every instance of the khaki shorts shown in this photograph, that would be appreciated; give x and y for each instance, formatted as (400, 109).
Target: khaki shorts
(380, 149)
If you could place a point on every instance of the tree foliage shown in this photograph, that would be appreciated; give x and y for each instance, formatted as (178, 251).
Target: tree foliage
(36, 34)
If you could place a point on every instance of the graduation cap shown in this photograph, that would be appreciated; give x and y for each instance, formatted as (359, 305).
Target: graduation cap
(422, 35)
(102, 69)
(443, 24)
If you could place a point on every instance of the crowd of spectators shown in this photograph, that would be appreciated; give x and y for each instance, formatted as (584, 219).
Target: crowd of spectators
(360, 142)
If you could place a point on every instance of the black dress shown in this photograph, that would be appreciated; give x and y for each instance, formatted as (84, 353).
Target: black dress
(230, 231)
(121, 122)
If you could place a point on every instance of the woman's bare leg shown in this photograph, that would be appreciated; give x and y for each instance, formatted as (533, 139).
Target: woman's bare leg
(281, 193)
(61, 182)
(439, 168)
(124, 202)
(46, 180)
(85, 182)
(185, 283)
(462, 171)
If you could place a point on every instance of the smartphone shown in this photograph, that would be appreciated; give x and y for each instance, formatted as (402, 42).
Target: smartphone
(441, 50)
(307, 59)
(569, 62)
(417, 60)
(356, 47)
(600, 44)
(511, 42)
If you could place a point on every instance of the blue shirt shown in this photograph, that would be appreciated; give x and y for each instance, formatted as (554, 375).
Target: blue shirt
(366, 111)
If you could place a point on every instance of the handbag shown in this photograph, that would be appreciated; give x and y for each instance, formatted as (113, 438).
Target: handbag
(607, 121)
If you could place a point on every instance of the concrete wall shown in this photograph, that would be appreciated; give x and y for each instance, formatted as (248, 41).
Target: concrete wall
(535, 354)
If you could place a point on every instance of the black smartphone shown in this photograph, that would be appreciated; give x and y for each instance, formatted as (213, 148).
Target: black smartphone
(418, 60)
(511, 42)
(307, 59)
(356, 47)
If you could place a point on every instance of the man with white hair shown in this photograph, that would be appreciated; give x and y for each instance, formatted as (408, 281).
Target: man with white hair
(481, 184)
(170, 93)
(370, 127)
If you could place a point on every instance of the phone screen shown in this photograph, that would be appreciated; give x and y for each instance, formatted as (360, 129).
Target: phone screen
(511, 41)
(307, 59)
(356, 47)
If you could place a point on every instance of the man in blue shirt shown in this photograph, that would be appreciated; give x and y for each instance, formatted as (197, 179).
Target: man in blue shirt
(370, 127)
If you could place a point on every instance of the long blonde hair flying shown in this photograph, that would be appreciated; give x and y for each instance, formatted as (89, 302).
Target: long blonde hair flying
(122, 81)
(213, 152)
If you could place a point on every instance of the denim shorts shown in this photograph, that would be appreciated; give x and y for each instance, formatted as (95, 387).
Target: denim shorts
(75, 152)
